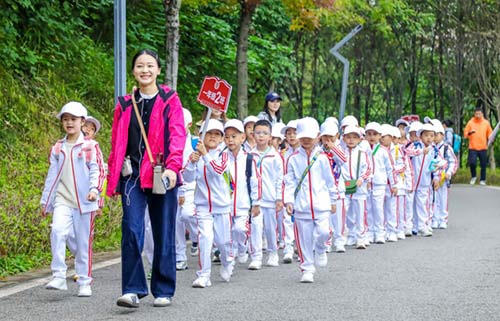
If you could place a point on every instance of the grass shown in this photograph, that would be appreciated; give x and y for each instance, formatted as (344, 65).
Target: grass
(463, 176)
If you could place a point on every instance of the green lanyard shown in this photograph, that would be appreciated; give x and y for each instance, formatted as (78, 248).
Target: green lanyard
(262, 157)
(304, 174)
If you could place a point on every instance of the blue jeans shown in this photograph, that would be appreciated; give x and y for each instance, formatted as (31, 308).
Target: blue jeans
(162, 211)
(483, 161)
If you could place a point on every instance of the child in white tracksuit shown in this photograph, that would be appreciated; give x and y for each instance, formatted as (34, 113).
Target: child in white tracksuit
(311, 195)
(355, 175)
(244, 180)
(440, 217)
(213, 203)
(270, 170)
(71, 192)
(393, 193)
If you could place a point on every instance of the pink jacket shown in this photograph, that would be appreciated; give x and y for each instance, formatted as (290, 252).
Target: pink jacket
(166, 110)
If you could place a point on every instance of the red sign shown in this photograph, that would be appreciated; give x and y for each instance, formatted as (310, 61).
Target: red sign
(215, 93)
(411, 118)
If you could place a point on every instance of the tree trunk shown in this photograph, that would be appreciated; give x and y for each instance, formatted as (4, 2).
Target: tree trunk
(314, 74)
(172, 8)
(247, 8)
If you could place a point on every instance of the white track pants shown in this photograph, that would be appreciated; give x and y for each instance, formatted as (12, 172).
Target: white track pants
(375, 212)
(441, 205)
(285, 225)
(65, 219)
(240, 234)
(213, 228)
(337, 223)
(185, 220)
(409, 211)
(256, 229)
(390, 211)
(270, 228)
(421, 208)
(311, 237)
(401, 209)
(355, 218)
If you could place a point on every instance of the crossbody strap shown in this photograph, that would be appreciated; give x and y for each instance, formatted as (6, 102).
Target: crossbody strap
(304, 174)
(143, 131)
(357, 166)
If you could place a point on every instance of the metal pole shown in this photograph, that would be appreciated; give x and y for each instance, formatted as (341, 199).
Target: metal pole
(120, 48)
(345, 76)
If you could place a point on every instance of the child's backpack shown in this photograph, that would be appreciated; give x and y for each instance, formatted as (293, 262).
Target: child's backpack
(457, 142)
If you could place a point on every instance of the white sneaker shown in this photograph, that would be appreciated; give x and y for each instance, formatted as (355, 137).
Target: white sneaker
(194, 251)
(281, 245)
(340, 248)
(273, 259)
(162, 302)
(435, 224)
(425, 232)
(443, 225)
(408, 232)
(128, 300)
(380, 240)
(321, 260)
(391, 237)
(84, 291)
(473, 180)
(255, 265)
(329, 248)
(367, 242)
(202, 282)
(181, 265)
(226, 272)
(57, 284)
(360, 245)
(401, 235)
(288, 258)
(307, 277)
(243, 258)
(350, 241)
(483, 183)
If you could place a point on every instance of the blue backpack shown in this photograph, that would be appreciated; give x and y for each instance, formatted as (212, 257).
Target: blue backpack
(457, 142)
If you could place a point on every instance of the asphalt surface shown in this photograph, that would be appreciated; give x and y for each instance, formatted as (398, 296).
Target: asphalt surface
(454, 275)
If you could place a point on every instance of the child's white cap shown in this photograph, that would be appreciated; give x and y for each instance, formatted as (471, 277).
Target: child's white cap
(373, 126)
(395, 132)
(329, 127)
(438, 127)
(188, 118)
(352, 129)
(386, 130)
(349, 120)
(250, 119)
(425, 128)
(307, 127)
(291, 124)
(401, 121)
(94, 121)
(73, 108)
(213, 124)
(427, 120)
(276, 131)
(236, 124)
(415, 126)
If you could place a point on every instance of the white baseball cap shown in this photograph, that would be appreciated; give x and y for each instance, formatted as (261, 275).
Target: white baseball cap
(438, 127)
(349, 120)
(332, 119)
(396, 132)
(291, 124)
(307, 127)
(94, 121)
(234, 123)
(213, 124)
(425, 128)
(188, 118)
(352, 129)
(373, 126)
(276, 131)
(415, 126)
(329, 127)
(386, 130)
(73, 108)
(401, 121)
(250, 119)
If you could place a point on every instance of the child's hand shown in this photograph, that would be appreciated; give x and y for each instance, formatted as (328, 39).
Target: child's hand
(334, 209)
(435, 184)
(182, 199)
(43, 213)
(426, 150)
(369, 186)
(359, 182)
(201, 148)
(289, 208)
(255, 211)
(394, 191)
(448, 176)
(98, 212)
(92, 196)
(279, 206)
(195, 157)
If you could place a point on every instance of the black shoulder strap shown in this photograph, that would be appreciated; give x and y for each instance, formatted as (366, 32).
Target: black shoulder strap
(165, 95)
(248, 174)
(124, 103)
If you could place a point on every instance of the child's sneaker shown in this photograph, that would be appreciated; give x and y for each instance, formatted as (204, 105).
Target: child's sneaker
(307, 277)
(408, 233)
(380, 239)
(226, 272)
(288, 258)
(321, 260)
(360, 245)
(273, 259)
(255, 265)
(194, 250)
(202, 282)
(243, 258)
(426, 232)
(84, 291)
(340, 248)
(181, 265)
(443, 225)
(57, 284)
(391, 237)
(401, 235)
(329, 248)
(216, 257)
(435, 224)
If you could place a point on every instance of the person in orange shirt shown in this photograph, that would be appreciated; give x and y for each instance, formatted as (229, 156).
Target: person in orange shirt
(477, 131)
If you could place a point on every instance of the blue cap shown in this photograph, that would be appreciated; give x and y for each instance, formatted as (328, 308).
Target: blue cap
(272, 96)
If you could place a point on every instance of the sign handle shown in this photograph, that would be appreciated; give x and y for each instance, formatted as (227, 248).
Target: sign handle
(205, 125)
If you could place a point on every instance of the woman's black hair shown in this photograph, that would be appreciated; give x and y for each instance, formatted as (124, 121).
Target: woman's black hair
(278, 113)
(146, 52)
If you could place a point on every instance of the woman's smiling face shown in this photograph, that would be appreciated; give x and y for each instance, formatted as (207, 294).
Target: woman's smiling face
(146, 70)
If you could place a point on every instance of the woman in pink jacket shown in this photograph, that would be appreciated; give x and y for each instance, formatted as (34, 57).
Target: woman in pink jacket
(131, 175)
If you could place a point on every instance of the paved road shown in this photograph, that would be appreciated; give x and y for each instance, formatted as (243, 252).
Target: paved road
(455, 275)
